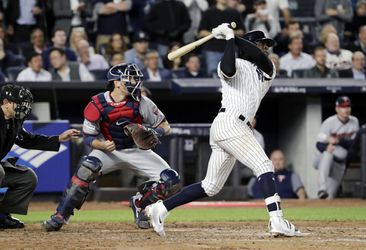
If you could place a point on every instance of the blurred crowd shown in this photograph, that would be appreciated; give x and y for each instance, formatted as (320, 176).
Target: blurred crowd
(66, 40)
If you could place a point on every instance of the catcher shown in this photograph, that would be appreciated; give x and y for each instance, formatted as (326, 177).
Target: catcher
(121, 126)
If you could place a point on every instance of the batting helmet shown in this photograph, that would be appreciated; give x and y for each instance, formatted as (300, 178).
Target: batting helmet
(170, 181)
(19, 95)
(257, 35)
(130, 74)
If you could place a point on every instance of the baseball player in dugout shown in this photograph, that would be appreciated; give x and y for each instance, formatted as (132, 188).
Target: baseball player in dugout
(335, 138)
(21, 181)
(245, 80)
(121, 126)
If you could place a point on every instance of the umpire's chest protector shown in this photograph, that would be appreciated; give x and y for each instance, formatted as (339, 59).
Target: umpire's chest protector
(114, 116)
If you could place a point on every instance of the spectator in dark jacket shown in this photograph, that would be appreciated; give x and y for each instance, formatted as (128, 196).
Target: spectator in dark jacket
(358, 67)
(192, 68)
(320, 70)
(152, 71)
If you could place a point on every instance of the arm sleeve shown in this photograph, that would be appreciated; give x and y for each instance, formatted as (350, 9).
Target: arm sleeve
(227, 64)
(35, 141)
(152, 115)
(255, 55)
(296, 182)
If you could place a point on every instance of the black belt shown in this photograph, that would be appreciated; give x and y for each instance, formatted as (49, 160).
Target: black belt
(241, 117)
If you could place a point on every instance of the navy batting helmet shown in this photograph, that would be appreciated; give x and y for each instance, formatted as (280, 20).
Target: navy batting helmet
(170, 180)
(130, 74)
(257, 35)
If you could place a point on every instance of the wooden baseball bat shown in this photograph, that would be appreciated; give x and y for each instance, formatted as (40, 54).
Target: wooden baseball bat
(191, 46)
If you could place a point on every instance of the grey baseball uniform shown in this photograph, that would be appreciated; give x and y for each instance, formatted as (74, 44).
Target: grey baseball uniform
(145, 163)
(230, 135)
(331, 166)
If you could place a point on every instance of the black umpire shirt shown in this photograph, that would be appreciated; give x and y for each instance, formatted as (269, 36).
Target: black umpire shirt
(12, 131)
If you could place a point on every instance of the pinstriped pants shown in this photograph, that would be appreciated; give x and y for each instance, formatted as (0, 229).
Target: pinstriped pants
(231, 139)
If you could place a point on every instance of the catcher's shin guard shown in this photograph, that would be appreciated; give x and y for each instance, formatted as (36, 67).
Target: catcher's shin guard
(78, 188)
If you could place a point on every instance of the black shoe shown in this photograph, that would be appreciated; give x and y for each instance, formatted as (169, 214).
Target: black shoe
(322, 194)
(9, 222)
(141, 220)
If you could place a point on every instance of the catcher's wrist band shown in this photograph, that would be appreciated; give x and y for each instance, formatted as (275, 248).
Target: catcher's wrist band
(160, 131)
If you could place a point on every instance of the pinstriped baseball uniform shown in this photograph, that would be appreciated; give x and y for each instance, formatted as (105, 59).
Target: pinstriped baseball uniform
(230, 136)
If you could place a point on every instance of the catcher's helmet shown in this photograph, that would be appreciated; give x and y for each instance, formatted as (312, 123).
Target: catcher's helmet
(257, 35)
(130, 74)
(21, 96)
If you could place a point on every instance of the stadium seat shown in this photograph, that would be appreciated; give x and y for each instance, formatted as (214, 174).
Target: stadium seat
(99, 74)
(13, 72)
(297, 73)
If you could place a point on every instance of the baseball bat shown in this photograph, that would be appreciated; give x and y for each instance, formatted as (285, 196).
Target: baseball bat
(191, 46)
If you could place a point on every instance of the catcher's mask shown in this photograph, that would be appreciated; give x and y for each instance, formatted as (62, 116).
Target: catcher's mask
(130, 74)
(19, 95)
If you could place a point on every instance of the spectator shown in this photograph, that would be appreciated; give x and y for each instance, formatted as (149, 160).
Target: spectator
(282, 39)
(280, 73)
(168, 27)
(334, 140)
(112, 18)
(177, 63)
(211, 18)
(152, 71)
(359, 19)
(358, 67)
(288, 183)
(138, 52)
(337, 58)
(92, 62)
(116, 44)
(195, 9)
(360, 43)
(274, 7)
(296, 59)
(8, 59)
(22, 17)
(325, 31)
(192, 68)
(116, 58)
(335, 12)
(37, 43)
(69, 14)
(34, 72)
(58, 41)
(137, 14)
(320, 70)
(65, 71)
(77, 34)
(262, 20)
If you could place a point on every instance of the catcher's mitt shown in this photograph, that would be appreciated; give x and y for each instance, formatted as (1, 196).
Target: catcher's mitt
(144, 138)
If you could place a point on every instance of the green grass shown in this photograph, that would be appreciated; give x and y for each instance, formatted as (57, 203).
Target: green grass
(213, 214)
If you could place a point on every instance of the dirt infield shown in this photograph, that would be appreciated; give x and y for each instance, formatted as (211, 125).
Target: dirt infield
(208, 235)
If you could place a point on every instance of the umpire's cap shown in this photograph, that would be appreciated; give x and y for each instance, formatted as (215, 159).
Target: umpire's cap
(257, 35)
(343, 102)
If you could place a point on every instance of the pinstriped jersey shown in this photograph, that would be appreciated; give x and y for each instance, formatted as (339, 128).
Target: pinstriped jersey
(243, 92)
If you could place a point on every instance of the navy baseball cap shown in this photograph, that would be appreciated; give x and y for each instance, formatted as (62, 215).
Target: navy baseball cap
(140, 37)
(343, 102)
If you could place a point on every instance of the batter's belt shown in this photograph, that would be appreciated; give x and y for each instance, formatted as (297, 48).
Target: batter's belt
(240, 117)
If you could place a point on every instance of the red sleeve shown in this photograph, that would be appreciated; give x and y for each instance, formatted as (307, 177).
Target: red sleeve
(91, 112)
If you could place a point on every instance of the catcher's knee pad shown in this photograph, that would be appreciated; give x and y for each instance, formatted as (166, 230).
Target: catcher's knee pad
(78, 188)
(153, 191)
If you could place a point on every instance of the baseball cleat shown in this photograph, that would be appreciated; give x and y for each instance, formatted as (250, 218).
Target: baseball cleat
(279, 226)
(141, 220)
(54, 223)
(157, 213)
(9, 222)
(322, 194)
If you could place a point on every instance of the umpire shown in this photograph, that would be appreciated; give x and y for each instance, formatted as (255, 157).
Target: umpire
(21, 181)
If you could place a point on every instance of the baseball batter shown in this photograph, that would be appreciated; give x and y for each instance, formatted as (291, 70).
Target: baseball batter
(335, 138)
(105, 117)
(245, 80)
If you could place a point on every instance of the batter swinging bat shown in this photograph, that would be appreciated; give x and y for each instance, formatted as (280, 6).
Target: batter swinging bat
(191, 46)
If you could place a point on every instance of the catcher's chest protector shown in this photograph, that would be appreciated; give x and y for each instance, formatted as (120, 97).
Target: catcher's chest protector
(114, 116)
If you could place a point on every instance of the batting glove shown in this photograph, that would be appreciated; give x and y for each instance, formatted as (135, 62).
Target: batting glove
(223, 32)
